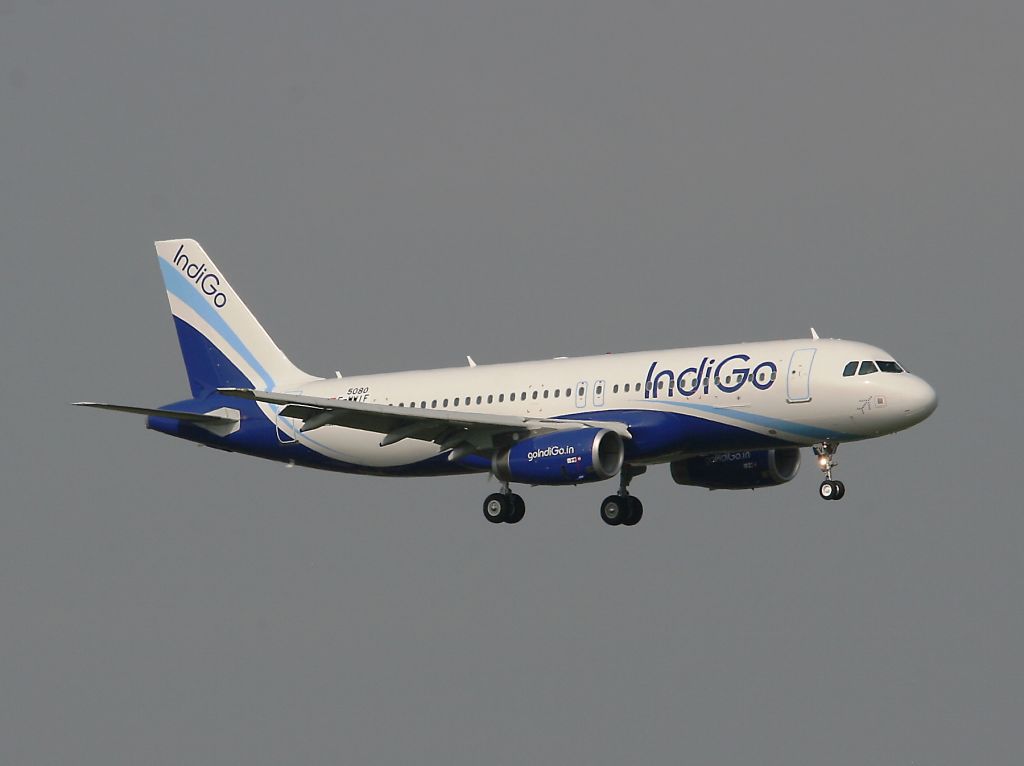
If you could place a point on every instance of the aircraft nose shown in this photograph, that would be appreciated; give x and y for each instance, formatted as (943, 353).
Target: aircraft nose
(921, 399)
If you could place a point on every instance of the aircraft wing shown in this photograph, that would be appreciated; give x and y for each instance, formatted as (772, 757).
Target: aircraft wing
(462, 432)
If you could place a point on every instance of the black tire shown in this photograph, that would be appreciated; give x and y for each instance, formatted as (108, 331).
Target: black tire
(518, 509)
(636, 512)
(613, 510)
(827, 490)
(496, 508)
(840, 490)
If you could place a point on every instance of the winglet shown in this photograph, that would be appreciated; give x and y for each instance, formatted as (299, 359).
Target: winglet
(470, 360)
(814, 333)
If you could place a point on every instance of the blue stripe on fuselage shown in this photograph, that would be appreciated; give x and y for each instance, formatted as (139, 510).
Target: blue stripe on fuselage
(790, 427)
(656, 433)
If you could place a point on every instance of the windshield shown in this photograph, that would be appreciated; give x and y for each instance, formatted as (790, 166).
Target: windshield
(868, 367)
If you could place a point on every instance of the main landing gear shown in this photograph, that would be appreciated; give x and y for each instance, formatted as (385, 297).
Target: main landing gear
(504, 506)
(830, 489)
(622, 508)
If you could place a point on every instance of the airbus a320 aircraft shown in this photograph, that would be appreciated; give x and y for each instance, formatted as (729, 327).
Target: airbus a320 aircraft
(722, 417)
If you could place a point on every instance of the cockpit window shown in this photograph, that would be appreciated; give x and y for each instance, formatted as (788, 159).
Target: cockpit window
(866, 368)
(850, 369)
(889, 367)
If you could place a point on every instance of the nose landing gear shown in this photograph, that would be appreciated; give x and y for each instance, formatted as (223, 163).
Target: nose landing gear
(830, 489)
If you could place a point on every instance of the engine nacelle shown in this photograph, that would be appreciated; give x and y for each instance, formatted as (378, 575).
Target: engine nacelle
(562, 457)
(747, 469)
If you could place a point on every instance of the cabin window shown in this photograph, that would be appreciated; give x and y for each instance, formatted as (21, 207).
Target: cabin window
(534, 394)
(456, 401)
(490, 398)
(479, 399)
(501, 398)
(545, 393)
(558, 392)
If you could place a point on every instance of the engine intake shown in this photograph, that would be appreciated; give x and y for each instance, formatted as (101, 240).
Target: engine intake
(562, 457)
(738, 470)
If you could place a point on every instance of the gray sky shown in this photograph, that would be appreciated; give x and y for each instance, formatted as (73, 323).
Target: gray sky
(396, 185)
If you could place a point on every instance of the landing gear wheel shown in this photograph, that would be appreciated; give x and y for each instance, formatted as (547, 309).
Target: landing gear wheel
(614, 509)
(497, 508)
(636, 512)
(518, 509)
(831, 490)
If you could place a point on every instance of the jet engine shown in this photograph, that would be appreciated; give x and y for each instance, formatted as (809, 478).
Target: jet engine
(746, 469)
(562, 457)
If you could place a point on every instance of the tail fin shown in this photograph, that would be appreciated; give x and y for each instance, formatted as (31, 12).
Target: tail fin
(222, 343)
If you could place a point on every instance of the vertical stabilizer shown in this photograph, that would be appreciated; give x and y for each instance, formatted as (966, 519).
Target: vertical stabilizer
(221, 342)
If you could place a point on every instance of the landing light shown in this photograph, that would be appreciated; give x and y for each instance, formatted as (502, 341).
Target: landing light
(823, 461)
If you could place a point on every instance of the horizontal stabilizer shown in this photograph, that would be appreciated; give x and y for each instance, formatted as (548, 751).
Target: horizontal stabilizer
(192, 417)
(222, 422)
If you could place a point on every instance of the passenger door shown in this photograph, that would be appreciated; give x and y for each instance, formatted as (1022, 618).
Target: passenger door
(798, 380)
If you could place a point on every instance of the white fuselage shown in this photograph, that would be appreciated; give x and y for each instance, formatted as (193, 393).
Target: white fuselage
(792, 391)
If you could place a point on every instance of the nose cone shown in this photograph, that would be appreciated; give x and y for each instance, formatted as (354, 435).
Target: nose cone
(920, 399)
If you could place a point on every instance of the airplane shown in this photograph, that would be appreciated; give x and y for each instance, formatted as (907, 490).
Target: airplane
(722, 417)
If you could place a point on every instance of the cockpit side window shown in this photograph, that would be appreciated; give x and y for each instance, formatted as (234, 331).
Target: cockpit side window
(866, 368)
(850, 369)
(889, 367)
